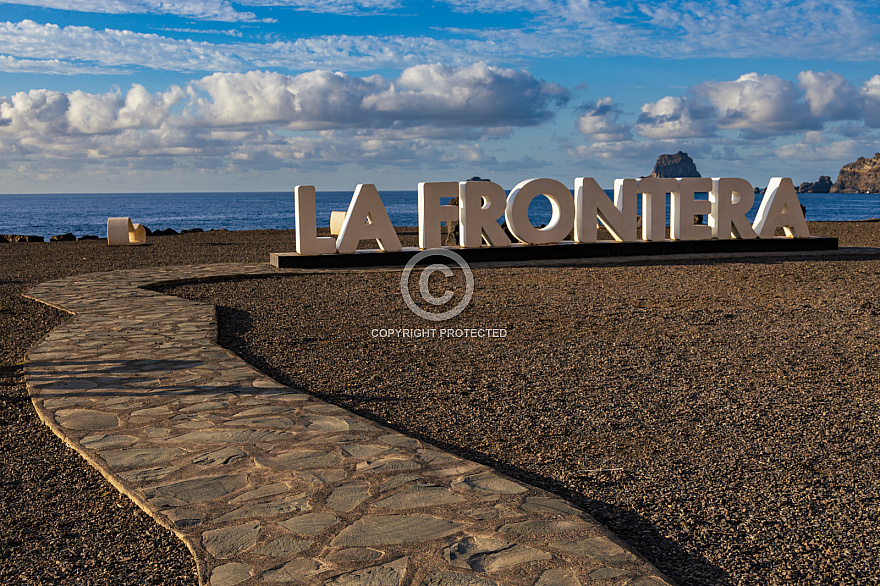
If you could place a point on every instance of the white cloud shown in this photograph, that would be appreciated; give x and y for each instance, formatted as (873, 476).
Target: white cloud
(600, 122)
(478, 95)
(49, 66)
(219, 10)
(830, 96)
(309, 101)
(330, 6)
(675, 117)
(621, 150)
(756, 103)
(871, 94)
(675, 29)
(213, 10)
(786, 28)
(429, 114)
(810, 150)
(684, 28)
(112, 50)
(436, 95)
(763, 106)
(43, 115)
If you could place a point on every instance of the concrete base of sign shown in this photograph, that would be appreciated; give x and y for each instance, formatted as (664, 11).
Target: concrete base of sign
(562, 251)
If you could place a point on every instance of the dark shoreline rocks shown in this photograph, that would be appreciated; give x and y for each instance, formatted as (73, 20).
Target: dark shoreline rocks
(823, 185)
(20, 238)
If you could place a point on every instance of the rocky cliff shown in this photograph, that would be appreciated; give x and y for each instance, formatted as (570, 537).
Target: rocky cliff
(677, 165)
(862, 176)
(823, 185)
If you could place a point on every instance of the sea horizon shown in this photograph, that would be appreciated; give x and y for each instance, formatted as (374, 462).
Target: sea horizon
(81, 214)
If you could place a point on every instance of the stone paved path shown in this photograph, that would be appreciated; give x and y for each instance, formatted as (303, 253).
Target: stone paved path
(268, 485)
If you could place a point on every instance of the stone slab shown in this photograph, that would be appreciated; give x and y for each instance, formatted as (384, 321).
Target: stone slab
(268, 485)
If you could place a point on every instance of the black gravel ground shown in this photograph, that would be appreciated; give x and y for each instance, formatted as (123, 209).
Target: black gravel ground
(723, 417)
(63, 524)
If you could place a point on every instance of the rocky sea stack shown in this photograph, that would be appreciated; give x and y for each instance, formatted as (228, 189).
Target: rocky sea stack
(862, 176)
(823, 185)
(677, 165)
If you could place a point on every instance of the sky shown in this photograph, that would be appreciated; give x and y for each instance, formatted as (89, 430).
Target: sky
(262, 95)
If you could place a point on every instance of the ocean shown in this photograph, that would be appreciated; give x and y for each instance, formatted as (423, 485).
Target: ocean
(81, 214)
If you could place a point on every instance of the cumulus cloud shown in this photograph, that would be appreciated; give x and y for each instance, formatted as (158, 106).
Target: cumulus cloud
(475, 96)
(676, 117)
(478, 95)
(870, 93)
(829, 95)
(309, 101)
(600, 122)
(756, 103)
(762, 106)
(428, 114)
(51, 114)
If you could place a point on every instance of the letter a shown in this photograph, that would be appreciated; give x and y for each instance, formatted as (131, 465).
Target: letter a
(781, 208)
(367, 219)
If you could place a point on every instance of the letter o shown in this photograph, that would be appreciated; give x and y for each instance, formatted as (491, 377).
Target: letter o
(517, 212)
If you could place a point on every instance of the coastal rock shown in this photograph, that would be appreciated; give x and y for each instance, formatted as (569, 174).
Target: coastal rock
(88, 237)
(861, 176)
(677, 165)
(823, 185)
(69, 237)
(165, 232)
(20, 238)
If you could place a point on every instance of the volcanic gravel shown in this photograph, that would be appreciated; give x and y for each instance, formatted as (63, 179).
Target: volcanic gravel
(62, 523)
(762, 466)
(721, 416)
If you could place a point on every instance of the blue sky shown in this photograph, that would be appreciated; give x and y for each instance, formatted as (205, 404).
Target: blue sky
(261, 95)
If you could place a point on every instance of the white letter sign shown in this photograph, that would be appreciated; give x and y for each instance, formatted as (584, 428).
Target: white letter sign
(684, 207)
(367, 219)
(481, 203)
(781, 208)
(517, 212)
(432, 212)
(731, 198)
(307, 241)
